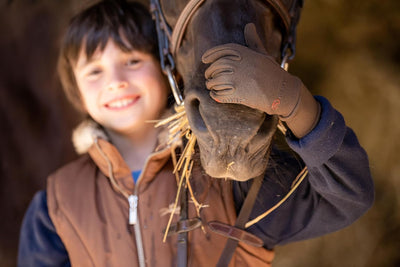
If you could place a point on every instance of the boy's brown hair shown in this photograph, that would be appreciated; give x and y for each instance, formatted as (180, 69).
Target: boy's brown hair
(128, 24)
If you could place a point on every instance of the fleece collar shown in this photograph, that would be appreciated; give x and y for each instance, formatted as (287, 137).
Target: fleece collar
(84, 136)
(88, 131)
(90, 137)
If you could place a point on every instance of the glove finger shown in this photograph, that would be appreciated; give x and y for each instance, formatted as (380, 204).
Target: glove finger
(253, 40)
(223, 90)
(215, 97)
(221, 86)
(221, 72)
(220, 67)
(217, 52)
(225, 98)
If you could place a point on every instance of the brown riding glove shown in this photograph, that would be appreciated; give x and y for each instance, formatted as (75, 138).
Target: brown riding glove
(249, 76)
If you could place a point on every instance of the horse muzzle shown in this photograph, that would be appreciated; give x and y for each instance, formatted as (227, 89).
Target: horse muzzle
(233, 139)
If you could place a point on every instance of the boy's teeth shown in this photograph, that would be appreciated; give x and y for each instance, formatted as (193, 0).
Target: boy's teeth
(120, 103)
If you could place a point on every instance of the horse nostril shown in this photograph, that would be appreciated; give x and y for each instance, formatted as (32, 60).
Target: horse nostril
(194, 116)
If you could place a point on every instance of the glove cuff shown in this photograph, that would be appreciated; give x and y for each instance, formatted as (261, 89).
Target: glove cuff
(305, 115)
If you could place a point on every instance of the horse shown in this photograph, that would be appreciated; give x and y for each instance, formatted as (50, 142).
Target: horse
(233, 140)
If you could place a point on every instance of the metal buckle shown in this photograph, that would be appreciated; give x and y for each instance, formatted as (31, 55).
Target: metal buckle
(288, 53)
(174, 86)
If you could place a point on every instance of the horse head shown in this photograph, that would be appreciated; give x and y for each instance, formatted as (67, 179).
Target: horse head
(233, 139)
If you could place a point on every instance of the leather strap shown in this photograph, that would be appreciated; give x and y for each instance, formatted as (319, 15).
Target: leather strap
(282, 11)
(182, 22)
(192, 6)
(183, 235)
(235, 233)
(241, 220)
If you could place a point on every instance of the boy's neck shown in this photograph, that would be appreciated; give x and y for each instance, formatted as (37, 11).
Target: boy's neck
(136, 147)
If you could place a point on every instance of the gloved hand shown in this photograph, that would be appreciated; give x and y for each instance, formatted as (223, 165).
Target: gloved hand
(249, 76)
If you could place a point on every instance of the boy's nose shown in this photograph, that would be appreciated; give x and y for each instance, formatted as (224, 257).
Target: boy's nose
(117, 85)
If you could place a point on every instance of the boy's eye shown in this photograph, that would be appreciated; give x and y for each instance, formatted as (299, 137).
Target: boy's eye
(132, 62)
(93, 74)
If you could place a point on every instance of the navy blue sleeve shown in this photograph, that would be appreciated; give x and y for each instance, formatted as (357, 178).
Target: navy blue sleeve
(39, 243)
(336, 192)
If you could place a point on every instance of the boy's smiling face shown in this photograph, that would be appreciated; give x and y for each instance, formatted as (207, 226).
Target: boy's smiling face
(121, 90)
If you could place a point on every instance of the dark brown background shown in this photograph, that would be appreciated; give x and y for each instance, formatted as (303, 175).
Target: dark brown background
(348, 51)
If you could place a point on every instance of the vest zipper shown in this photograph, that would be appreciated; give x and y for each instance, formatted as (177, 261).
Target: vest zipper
(133, 202)
(134, 221)
(134, 216)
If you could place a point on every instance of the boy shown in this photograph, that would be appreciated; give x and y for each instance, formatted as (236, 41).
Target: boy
(109, 207)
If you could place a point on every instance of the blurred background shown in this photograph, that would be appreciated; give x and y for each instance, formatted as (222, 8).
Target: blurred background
(347, 51)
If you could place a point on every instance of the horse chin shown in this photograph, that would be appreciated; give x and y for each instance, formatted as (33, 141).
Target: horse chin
(235, 168)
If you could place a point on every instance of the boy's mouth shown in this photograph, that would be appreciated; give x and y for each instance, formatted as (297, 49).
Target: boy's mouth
(122, 102)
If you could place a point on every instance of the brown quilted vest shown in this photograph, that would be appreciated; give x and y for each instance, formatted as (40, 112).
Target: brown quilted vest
(90, 213)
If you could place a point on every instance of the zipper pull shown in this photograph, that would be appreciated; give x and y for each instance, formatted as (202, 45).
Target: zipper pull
(133, 202)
